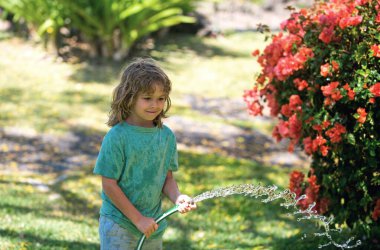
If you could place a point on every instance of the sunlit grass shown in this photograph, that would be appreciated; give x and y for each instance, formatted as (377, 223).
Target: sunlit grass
(36, 218)
(65, 215)
(217, 67)
(40, 93)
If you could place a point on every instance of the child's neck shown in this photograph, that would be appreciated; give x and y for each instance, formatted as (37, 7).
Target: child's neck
(147, 124)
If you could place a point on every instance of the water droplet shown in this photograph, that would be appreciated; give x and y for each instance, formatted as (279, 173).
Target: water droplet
(270, 193)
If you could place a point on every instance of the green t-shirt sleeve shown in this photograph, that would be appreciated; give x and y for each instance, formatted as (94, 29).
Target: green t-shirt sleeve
(111, 158)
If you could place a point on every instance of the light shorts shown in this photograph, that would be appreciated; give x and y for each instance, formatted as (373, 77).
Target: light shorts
(114, 237)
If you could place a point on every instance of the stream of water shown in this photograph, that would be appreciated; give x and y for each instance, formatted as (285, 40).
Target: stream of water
(270, 193)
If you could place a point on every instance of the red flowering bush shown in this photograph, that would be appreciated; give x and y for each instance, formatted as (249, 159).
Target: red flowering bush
(321, 77)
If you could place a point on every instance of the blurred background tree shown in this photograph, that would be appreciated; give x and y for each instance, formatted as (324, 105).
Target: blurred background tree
(109, 27)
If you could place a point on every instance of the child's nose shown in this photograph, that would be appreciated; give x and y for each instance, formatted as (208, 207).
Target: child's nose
(155, 103)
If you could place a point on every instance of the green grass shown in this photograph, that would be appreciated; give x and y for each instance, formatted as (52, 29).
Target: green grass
(65, 216)
(41, 94)
(34, 219)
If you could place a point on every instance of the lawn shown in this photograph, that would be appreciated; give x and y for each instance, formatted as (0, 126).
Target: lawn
(45, 96)
(41, 94)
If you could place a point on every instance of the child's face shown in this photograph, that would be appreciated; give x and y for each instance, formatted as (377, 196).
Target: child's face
(147, 107)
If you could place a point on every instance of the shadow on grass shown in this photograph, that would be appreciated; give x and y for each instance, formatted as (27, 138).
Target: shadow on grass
(100, 101)
(11, 94)
(47, 153)
(195, 44)
(67, 210)
(35, 241)
(101, 72)
(108, 71)
(75, 203)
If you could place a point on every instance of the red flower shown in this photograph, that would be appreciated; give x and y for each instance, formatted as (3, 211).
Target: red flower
(292, 24)
(350, 92)
(329, 19)
(324, 150)
(255, 108)
(295, 102)
(286, 111)
(327, 35)
(270, 92)
(350, 21)
(251, 97)
(276, 134)
(283, 128)
(323, 205)
(260, 79)
(362, 115)
(319, 143)
(256, 52)
(329, 89)
(362, 2)
(375, 89)
(317, 127)
(376, 211)
(336, 132)
(320, 127)
(295, 127)
(325, 70)
(296, 180)
(308, 143)
(300, 84)
(376, 50)
(311, 193)
(335, 65)
(325, 124)
(327, 101)
(332, 91)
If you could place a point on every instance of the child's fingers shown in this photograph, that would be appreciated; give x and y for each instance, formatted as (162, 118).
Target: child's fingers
(151, 230)
(186, 207)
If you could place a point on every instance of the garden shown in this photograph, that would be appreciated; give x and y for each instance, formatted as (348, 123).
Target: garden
(296, 108)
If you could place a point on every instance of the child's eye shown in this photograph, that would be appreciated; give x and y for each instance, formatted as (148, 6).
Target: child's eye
(162, 98)
(146, 98)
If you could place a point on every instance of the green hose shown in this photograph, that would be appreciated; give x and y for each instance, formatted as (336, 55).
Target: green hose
(158, 220)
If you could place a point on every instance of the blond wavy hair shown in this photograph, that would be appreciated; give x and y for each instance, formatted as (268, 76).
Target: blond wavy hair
(140, 76)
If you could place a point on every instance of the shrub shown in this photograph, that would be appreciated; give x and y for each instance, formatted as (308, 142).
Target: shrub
(111, 27)
(321, 77)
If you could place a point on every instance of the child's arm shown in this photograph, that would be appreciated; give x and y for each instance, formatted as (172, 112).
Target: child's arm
(145, 224)
(172, 192)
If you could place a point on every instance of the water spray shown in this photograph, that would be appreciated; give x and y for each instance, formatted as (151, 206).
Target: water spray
(271, 194)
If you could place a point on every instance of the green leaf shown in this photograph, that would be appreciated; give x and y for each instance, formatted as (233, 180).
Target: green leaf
(45, 26)
(351, 139)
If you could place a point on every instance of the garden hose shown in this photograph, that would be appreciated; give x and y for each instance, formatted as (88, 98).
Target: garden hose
(158, 220)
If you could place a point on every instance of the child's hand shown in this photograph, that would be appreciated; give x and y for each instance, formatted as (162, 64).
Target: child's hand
(185, 204)
(147, 226)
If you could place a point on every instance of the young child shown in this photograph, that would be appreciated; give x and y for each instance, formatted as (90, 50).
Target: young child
(136, 160)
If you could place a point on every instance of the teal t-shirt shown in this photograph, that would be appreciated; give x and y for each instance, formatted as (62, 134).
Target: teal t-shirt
(139, 159)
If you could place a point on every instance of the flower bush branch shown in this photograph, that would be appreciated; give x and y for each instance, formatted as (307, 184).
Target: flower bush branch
(321, 78)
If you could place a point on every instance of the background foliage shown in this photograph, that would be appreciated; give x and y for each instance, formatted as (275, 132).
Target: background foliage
(111, 27)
